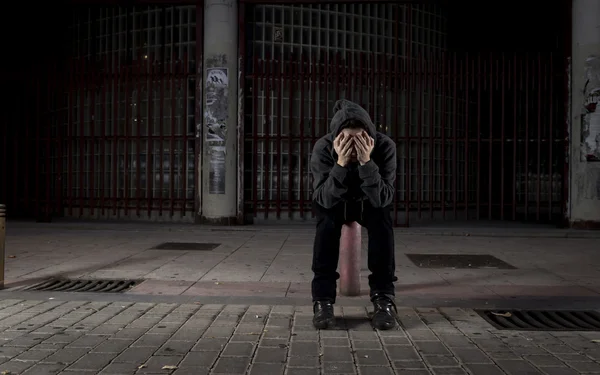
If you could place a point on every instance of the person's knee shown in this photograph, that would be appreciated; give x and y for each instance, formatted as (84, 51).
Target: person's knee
(380, 216)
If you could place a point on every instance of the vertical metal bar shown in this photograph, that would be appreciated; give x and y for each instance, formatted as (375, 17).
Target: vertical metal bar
(266, 162)
(408, 108)
(396, 81)
(372, 87)
(385, 83)
(454, 139)
(337, 75)
(127, 138)
(515, 138)
(257, 68)
(527, 81)
(198, 107)
(292, 77)
(150, 68)
(478, 189)
(539, 138)
(172, 67)
(241, 131)
(115, 142)
(420, 91)
(105, 77)
(47, 123)
(502, 138)
(38, 125)
(467, 74)
(326, 79)
(70, 135)
(445, 83)
(161, 136)
(313, 117)
(280, 83)
(361, 68)
(349, 71)
(92, 94)
(60, 134)
(184, 157)
(550, 74)
(138, 169)
(491, 137)
(432, 79)
(82, 87)
(302, 77)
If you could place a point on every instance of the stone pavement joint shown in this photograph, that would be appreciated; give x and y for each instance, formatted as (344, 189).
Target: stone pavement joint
(81, 337)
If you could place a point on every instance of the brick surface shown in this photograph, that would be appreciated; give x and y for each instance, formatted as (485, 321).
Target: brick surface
(240, 339)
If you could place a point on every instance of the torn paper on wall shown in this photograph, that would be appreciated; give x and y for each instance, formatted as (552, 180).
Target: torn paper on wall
(590, 117)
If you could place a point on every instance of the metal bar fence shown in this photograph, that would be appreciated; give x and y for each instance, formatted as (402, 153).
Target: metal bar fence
(478, 135)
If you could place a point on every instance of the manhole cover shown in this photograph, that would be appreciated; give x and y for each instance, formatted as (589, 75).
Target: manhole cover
(189, 246)
(79, 285)
(458, 261)
(542, 320)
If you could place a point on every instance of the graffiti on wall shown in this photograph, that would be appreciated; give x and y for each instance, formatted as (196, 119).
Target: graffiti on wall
(590, 117)
(216, 114)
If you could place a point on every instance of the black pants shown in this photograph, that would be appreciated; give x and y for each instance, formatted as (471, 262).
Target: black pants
(326, 250)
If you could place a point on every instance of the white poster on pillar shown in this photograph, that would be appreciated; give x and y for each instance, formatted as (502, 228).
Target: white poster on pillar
(215, 119)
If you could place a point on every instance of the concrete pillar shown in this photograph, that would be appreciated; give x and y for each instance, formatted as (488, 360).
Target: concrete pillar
(584, 186)
(219, 131)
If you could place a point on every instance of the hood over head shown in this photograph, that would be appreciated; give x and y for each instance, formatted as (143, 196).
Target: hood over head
(345, 111)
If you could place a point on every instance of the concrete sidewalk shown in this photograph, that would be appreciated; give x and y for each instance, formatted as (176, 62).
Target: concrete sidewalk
(274, 261)
(244, 307)
(76, 337)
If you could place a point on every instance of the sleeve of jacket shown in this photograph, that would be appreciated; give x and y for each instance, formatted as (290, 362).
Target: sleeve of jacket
(378, 180)
(329, 176)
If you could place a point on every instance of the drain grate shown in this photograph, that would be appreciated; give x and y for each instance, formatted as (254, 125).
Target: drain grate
(79, 285)
(540, 320)
(187, 246)
(459, 261)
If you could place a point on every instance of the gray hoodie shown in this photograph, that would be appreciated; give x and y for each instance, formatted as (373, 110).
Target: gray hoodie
(373, 181)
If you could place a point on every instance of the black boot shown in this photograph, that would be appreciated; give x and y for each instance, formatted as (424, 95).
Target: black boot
(384, 316)
(323, 317)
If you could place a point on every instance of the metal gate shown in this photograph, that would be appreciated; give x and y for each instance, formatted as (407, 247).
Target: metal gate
(111, 130)
(478, 136)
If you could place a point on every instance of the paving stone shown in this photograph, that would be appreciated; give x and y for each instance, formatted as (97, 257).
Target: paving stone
(92, 362)
(304, 349)
(330, 367)
(10, 352)
(152, 341)
(130, 333)
(270, 355)
(413, 372)
(199, 359)
(120, 369)
(402, 353)
(266, 369)
(408, 365)
(543, 360)
(585, 366)
(15, 367)
(432, 348)
(88, 341)
(209, 345)
(449, 371)
(484, 369)
(328, 341)
(45, 369)
(469, 355)
(34, 355)
(113, 346)
(156, 363)
(303, 362)
(440, 360)
(519, 367)
(374, 370)
(172, 347)
(238, 349)
(192, 371)
(337, 354)
(275, 343)
(371, 358)
(302, 371)
(231, 365)
(135, 355)
(66, 355)
(563, 370)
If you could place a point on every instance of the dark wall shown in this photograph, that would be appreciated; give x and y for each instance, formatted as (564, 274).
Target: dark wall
(527, 26)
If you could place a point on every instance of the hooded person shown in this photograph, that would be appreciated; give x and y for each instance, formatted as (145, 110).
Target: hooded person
(354, 169)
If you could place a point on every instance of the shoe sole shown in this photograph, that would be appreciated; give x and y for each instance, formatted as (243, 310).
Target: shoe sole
(325, 324)
(385, 328)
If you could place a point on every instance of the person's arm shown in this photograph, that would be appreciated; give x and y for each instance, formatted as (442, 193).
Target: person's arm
(329, 176)
(378, 181)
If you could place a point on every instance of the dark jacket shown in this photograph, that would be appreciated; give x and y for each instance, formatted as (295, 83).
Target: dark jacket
(373, 181)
